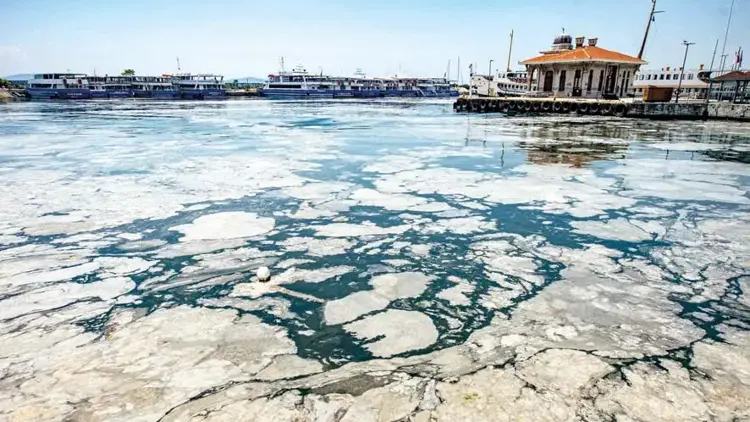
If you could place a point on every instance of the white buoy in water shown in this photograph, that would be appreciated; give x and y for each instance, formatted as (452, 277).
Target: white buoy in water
(263, 273)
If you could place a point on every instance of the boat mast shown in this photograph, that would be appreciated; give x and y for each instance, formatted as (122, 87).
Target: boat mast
(726, 34)
(178, 64)
(510, 49)
(458, 71)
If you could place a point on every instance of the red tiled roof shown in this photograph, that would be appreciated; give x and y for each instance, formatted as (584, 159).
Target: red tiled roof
(584, 54)
(737, 75)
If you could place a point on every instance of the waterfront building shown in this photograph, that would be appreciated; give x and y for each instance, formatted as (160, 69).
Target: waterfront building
(586, 71)
(734, 86)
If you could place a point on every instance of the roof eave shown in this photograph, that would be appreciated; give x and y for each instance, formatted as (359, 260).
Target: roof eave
(527, 62)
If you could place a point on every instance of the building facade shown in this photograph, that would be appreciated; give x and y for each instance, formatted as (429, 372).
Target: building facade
(734, 86)
(585, 71)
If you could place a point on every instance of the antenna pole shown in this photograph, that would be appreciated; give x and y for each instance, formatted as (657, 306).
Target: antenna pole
(510, 49)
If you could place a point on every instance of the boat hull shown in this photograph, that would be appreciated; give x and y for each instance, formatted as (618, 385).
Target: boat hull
(59, 94)
(120, 94)
(368, 93)
(202, 94)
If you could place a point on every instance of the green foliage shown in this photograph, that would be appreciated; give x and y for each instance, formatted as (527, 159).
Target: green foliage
(128, 72)
(4, 83)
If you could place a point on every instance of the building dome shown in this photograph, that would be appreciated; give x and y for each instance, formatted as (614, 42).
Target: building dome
(563, 39)
(562, 42)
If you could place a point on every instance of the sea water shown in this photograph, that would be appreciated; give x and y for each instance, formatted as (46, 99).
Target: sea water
(130, 233)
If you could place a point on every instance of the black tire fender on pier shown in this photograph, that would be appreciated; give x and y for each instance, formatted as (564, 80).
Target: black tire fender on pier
(512, 105)
(583, 108)
(527, 105)
(621, 110)
(574, 107)
(557, 106)
(607, 109)
(546, 106)
(565, 107)
(504, 106)
(594, 108)
(535, 105)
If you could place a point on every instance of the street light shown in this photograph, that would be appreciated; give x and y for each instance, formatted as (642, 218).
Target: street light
(651, 18)
(682, 69)
(490, 70)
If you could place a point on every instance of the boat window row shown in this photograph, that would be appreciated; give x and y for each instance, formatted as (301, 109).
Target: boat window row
(665, 76)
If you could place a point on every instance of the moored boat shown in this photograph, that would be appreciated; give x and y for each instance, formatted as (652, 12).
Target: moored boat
(158, 87)
(199, 86)
(63, 86)
(299, 84)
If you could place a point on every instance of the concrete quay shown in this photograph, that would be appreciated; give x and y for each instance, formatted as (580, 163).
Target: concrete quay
(647, 110)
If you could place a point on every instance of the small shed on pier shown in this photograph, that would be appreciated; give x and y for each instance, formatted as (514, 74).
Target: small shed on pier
(586, 71)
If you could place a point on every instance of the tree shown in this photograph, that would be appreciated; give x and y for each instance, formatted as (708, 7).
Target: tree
(128, 72)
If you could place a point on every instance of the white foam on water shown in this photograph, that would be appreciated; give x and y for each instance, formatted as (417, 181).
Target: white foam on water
(358, 230)
(616, 229)
(401, 331)
(225, 225)
(385, 288)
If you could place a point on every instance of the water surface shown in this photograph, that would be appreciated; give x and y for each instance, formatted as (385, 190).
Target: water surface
(130, 233)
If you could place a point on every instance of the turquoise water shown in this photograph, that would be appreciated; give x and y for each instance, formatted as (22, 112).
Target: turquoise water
(490, 209)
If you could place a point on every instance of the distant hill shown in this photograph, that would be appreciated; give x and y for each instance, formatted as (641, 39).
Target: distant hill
(246, 80)
(19, 77)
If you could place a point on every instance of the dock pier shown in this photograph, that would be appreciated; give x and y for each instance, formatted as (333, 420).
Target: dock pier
(637, 109)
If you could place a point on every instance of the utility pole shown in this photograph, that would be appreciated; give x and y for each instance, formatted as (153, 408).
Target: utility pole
(710, 71)
(682, 69)
(510, 49)
(648, 26)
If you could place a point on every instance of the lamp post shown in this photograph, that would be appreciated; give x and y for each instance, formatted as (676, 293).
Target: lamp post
(648, 26)
(682, 69)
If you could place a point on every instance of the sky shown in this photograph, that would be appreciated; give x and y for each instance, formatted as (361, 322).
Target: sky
(382, 37)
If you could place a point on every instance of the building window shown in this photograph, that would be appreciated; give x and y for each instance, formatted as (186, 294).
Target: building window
(591, 80)
(601, 80)
(661, 77)
(561, 86)
(669, 76)
(690, 76)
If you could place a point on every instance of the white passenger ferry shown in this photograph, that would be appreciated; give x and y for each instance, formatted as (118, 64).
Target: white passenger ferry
(199, 86)
(68, 86)
(300, 84)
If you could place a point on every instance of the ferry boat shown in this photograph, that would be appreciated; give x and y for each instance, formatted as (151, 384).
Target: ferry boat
(299, 84)
(158, 87)
(508, 84)
(119, 87)
(59, 86)
(96, 86)
(363, 87)
(200, 86)
(435, 87)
